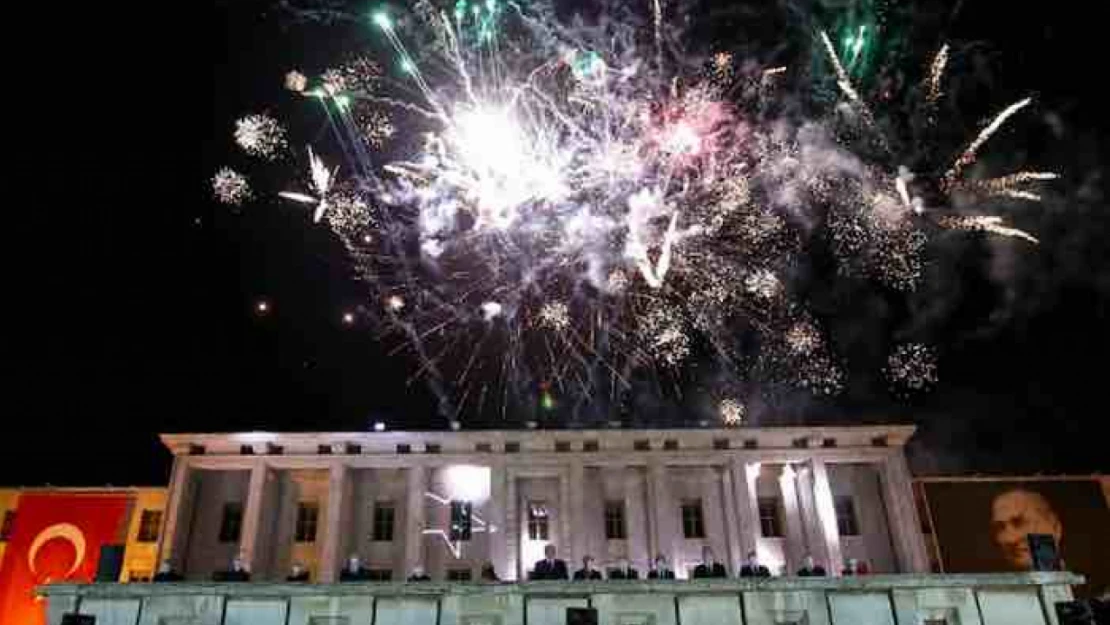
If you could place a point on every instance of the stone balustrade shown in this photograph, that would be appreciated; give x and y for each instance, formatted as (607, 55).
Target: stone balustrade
(986, 599)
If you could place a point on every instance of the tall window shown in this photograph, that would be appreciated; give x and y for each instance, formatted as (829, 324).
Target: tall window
(846, 520)
(692, 524)
(149, 523)
(308, 515)
(770, 522)
(537, 521)
(6, 527)
(460, 520)
(231, 522)
(614, 520)
(383, 521)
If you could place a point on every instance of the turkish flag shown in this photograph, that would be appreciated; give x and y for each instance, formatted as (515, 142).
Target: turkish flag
(55, 538)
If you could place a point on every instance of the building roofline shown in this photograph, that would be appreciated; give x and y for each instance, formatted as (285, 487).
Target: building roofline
(384, 441)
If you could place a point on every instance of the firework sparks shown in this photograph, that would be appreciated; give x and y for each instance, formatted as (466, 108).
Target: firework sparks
(555, 316)
(599, 213)
(936, 73)
(732, 411)
(230, 187)
(969, 155)
(260, 135)
(912, 367)
(979, 223)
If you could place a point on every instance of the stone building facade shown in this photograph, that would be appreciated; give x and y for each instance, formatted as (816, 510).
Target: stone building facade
(392, 497)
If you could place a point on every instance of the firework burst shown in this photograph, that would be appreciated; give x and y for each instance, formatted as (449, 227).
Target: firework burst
(260, 135)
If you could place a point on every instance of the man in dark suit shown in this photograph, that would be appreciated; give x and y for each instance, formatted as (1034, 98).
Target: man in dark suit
(809, 569)
(237, 573)
(550, 567)
(752, 568)
(587, 571)
(709, 566)
(297, 573)
(353, 571)
(166, 573)
(660, 570)
(624, 571)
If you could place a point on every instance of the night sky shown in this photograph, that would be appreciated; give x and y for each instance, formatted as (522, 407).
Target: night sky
(136, 291)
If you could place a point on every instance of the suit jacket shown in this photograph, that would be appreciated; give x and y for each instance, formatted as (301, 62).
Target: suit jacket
(581, 574)
(702, 571)
(816, 571)
(629, 573)
(557, 569)
(231, 576)
(754, 571)
(657, 574)
(299, 577)
(420, 578)
(347, 575)
(169, 576)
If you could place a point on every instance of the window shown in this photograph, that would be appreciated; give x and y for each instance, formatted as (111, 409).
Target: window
(231, 522)
(383, 521)
(614, 520)
(460, 520)
(692, 524)
(354, 449)
(720, 443)
(323, 450)
(404, 448)
(149, 523)
(537, 521)
(308, 513)
(432, 448)
(770, 523)
(458, 575)
(642, 445)
(379, 575)
(828, 442)
(751, 443)
(670, 444)
(846, 516)
(483, 448)
(562, 446)
(590, 446)
(6, 528)
(246, 450)
(800, 443)
(512, 448)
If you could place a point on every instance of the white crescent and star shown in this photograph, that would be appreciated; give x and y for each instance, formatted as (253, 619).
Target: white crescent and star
(65, 531)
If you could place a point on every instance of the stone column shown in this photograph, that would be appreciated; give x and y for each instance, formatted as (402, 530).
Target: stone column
(251, 536)
(663, 513)
(744, 476)
(732, 525)
(174, 535)
(496, 533)
(795, 530)
(415, 518)
(513, 570)
(824, 531)
(905, 527)
(331, 553)
(564, 546)
(579, 529)
(635, 518)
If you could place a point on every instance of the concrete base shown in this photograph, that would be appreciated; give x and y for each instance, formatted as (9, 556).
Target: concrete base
(1009, 599)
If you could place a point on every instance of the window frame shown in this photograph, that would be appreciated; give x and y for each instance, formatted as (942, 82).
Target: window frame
(774, 520)
(377, 531)
(301, 533)
(231, 531)
(616, 526)
(846, 516)
(539, 526)
(693, 519)
(144, 535)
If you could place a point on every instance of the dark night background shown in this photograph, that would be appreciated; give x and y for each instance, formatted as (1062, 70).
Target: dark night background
(136, 291)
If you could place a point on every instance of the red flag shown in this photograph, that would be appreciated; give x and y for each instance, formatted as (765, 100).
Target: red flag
(55, 538)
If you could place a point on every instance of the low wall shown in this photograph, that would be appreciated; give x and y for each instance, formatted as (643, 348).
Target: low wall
(989, 599)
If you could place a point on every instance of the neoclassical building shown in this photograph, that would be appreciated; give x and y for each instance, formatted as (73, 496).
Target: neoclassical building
(449, 501)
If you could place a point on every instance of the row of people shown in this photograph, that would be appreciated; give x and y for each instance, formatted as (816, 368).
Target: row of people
(549, 568)
(552, 568)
